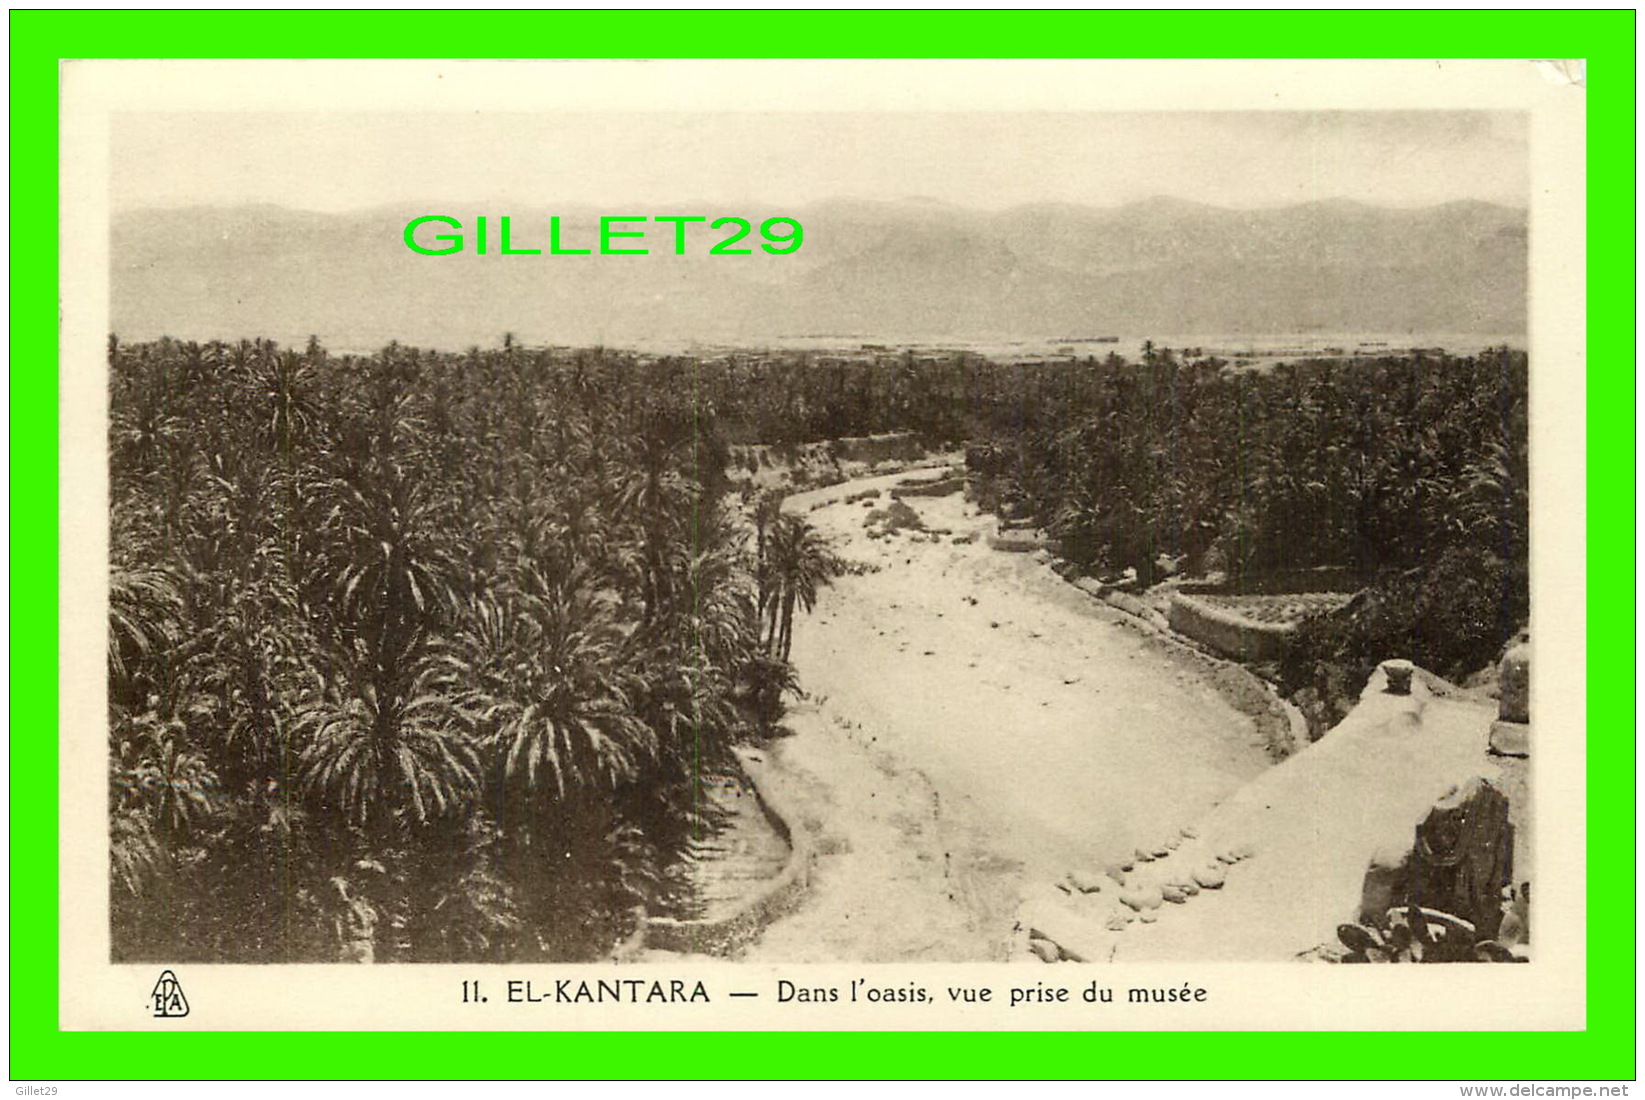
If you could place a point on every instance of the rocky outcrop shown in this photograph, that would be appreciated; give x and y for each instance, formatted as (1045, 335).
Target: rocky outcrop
(1463, 856)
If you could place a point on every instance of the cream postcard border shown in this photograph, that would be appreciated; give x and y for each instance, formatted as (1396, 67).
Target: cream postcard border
(1548, 994)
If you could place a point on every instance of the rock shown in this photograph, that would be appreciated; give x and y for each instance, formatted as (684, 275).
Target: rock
(1045, 949)
(1190, 832)
(1116, 924)
(1462, 856)
(1227, 857)
(1116, 872)
(1161, 851)
(1086, 882)
(1144, 857)
(1127, 864)
(1174, 843)
(1173, 894)
(1187, 886)
(1143, 898)
(1515, 684)
(1017, 542)
(1211, 876)
(1148, 916)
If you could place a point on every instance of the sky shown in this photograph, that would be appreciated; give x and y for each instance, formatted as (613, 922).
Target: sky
(333, 162)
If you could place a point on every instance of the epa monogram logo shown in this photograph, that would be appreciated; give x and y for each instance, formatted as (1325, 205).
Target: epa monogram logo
(167, 1000)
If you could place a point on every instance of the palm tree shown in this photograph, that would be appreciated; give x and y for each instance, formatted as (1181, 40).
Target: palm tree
(382, 749)
(145, 622)
(800, 565)
(658, 499)
(767, 507)
(544, 686)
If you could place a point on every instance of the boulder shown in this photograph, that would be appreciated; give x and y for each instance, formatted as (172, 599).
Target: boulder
(1143, 898)
(1211, 876)
(1462, 857)
(1086, 882)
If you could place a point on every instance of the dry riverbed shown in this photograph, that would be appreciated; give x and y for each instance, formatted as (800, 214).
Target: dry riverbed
(975, 727)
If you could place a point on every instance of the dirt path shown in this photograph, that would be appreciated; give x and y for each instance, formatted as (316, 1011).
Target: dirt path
(976, 726)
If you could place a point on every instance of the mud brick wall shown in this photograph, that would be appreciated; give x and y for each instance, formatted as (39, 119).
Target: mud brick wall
(1226, 632)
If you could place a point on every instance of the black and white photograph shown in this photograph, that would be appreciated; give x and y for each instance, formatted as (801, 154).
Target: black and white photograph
(687, 536)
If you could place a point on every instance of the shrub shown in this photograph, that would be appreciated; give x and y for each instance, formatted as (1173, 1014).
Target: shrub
(1451, 619)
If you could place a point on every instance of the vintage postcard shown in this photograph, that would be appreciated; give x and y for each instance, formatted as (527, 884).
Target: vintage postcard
(901, 545)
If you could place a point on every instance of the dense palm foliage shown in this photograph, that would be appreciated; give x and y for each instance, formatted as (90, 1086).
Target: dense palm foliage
(1406, 477)
(415, 656)
(427, 656)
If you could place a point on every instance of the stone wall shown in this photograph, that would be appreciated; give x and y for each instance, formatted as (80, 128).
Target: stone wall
(937, 487)
(776, 898)
(1226, 632)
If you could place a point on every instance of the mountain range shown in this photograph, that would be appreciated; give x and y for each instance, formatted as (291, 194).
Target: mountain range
(884, 270)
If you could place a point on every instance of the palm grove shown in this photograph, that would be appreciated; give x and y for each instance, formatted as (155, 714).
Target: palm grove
(420, 656)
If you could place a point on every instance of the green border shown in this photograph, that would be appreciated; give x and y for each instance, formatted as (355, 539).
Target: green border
(1605, 1051)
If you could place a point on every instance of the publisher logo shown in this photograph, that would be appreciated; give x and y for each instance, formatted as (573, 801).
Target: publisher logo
(167, 999)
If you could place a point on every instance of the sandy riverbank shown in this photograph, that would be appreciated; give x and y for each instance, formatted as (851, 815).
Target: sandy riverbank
(976, 727)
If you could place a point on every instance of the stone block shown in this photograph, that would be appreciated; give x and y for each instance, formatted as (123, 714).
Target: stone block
(1511, 738)
(1398, 674)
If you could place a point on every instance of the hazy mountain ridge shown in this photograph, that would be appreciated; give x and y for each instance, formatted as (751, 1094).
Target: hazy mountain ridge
(881, 269)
